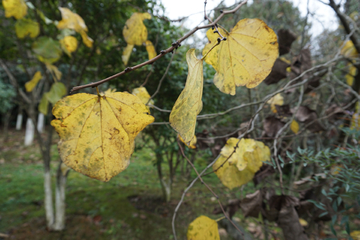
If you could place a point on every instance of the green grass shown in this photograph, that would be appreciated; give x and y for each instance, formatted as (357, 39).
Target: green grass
(97, 209)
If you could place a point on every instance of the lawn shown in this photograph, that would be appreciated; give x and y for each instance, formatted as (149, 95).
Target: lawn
(127, 207)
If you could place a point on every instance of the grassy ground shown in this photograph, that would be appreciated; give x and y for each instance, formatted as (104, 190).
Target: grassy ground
(127, 207)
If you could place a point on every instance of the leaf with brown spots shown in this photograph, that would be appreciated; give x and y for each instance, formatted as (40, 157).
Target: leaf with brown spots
(97, 132)
(245, 58)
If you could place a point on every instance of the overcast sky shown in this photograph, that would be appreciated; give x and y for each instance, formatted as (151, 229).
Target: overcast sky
(321, 15)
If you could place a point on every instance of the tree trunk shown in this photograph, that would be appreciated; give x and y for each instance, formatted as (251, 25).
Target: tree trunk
(19, 121)
(6, 125)
(40, 122)
(165, 186)
(29, 133)
(60, 205)
(49, 211)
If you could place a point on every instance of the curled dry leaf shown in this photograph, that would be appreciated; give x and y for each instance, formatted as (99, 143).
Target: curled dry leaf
(285, 39)
(26, 27)
(15, 8)
(30, 85)
(237, 168)
(245, 58)
(203, 228)
(189, 103)
(73, 21)
(272, 125)
(278, 72)
(97, 132)
(251, 205)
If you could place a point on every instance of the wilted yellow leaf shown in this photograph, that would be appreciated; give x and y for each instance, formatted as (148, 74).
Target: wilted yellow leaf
(192, 143)
(126, 53)
(349, 50)
(245, 58)
(47, 49)
(69, 44)
(203, 228)
(355, 235)
(243, 163)
(351, 74)
(74, 21)
(276, 100)
(30, 85)
(15, 8)
(97, 132)
(135, 32)
(189, 103)
(144, 96)
(150, 49)
(57, 91)
(294, 126)
(55, 73)
(24, 27)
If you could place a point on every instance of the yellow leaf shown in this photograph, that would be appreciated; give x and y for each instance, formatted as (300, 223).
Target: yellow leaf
(135, 32)
(355, 235)
(189, 104)
(294, 126)
(86, 39)
(288, 69)
(97, 132)
(150, 49)
(69, 44)
(55, 73)
(24, 27)
(242, 164)
(192, 143)
(355, 120)
(285, 60)
(351, 74)
(144, 96)
(73, 21)
(15, 8)
(349, 50)
(126, 53)
(30, 85)
(276, 100)
(303, 222)
(203, 228)
(245, 58)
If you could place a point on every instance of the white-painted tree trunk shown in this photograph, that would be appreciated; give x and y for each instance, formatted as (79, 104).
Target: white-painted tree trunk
(19, 121)
(29, 133)
(40, 122)
(49, 211)
(166, 188)
(60, 204)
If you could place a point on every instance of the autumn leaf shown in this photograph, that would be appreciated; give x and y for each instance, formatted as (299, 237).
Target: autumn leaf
(242, 164)
(26, 27)
(245, 58)
(203, 228)
(355, 235)
(150, 49)
(55, 73)
(355, 119)
(135, 33)
(73, 21)
(97, 132)
(43, 105)
(57, 91)
(189, 103)
(69, 44)
(294, 126)
(192, 144)
(349, 77)
(144, 96)
(349, 50)
(47, 49)
(15, 8)
(276, 100)
(30, 85)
